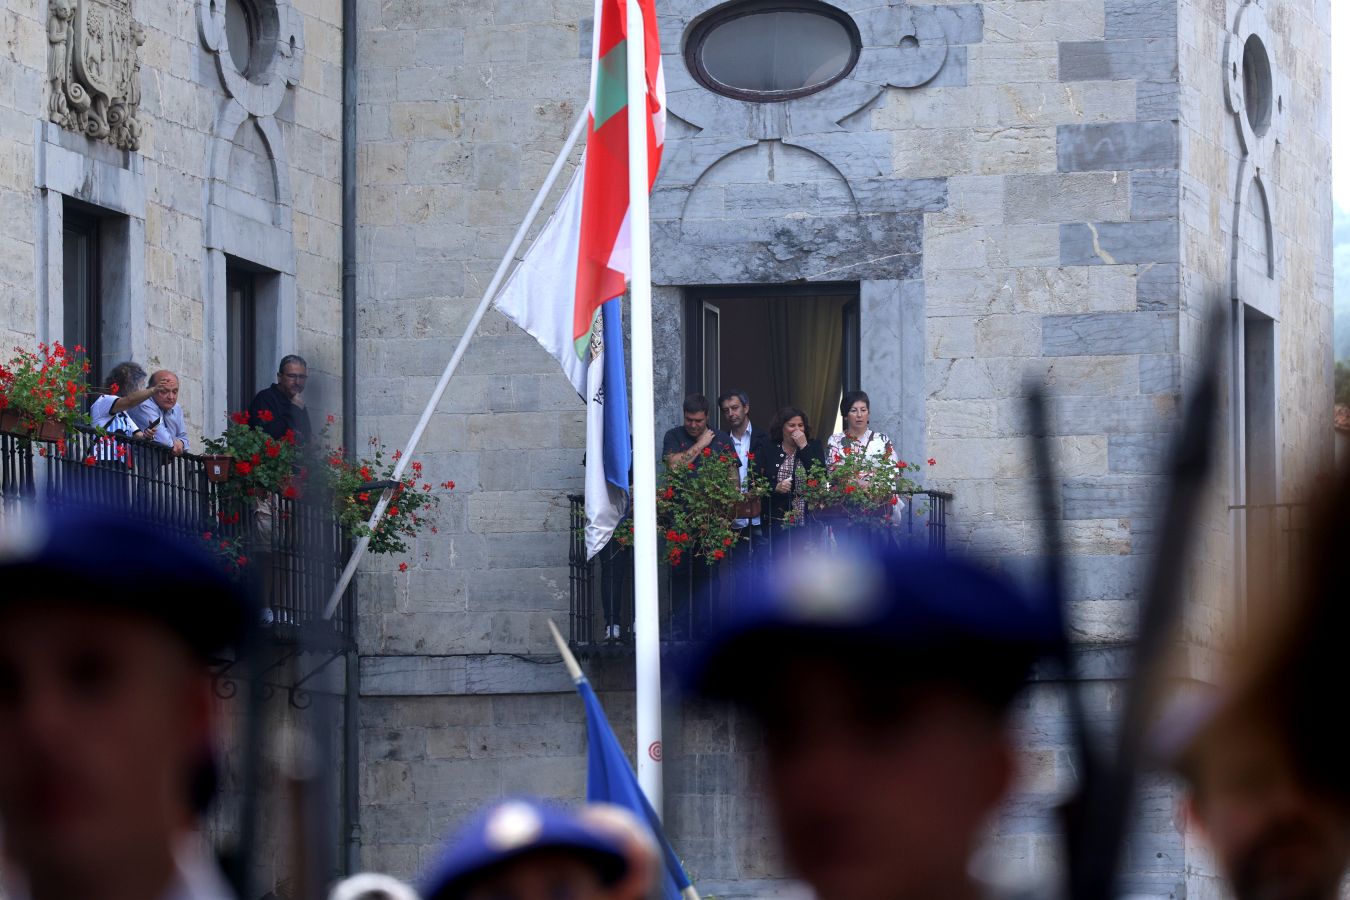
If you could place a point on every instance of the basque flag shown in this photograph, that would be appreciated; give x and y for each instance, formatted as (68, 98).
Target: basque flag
(566, 290)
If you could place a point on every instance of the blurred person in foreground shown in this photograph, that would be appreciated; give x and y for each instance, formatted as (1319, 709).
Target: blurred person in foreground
(526, 849)
(1264, 755)
(107, 720)
(882, 680)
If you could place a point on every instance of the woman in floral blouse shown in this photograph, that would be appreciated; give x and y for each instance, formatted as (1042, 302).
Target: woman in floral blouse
(857, 436)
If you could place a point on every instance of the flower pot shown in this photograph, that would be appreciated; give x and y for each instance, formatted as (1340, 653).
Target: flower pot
(51, 430)
(748, 509)
(11, 422)
(218, 468)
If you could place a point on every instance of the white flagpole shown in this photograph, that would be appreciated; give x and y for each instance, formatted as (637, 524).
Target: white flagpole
(469, 330)
(646, 628)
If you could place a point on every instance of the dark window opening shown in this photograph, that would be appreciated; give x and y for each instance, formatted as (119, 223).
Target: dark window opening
(82, 312)
(781, 344)
(241, 342)
(769, 51)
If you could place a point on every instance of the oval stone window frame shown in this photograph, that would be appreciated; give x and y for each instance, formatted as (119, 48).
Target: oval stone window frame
(704, 27)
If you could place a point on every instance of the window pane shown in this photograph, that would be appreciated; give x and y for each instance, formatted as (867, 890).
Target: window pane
(240, 339)
(79, 294)
(240, 33)
(776, 51)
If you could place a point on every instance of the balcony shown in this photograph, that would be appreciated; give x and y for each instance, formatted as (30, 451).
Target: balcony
(601, 589)
(293, 556)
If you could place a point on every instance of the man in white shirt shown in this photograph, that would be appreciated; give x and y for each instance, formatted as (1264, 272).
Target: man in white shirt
(735, 406)
(162, 409)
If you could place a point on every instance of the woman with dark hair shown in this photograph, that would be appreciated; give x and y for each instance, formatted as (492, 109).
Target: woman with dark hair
(857, 436)
(790, 453)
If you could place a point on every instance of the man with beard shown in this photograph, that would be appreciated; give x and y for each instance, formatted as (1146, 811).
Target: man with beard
(882, 680)
(107, 719)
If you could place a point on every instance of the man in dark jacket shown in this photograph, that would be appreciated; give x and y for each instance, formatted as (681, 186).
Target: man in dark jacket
(281, 407)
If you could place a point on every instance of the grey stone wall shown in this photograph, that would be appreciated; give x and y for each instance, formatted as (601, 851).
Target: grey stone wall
(1016, 191)
(165, 301)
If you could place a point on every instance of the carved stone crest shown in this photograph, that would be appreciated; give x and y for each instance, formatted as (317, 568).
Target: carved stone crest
(94, 69)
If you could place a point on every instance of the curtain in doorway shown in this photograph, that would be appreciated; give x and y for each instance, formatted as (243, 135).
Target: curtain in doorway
(806, 337)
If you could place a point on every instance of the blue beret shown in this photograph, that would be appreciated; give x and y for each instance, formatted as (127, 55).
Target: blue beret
(926, 615)
(511, 829)
(114, 559)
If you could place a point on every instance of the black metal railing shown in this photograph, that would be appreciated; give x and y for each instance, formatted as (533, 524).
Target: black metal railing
(291, 548)
(694, 594)
(1277, 537)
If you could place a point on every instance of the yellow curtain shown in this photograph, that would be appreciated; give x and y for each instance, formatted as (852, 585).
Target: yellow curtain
(806, 336)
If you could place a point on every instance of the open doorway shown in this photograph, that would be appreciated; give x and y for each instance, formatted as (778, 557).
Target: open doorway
(781, 344)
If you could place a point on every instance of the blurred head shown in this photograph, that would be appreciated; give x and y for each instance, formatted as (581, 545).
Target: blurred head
(786, 421)
(126, 377)
(525, 849)
(695, 415)
(371, 886)
(292, 375)
(735, 406)
(1276, 836)
(106, 711)
(165, 384)
(882, 681)
(856, 410)
(105, 718)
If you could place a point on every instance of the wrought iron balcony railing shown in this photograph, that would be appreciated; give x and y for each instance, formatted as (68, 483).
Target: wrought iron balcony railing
(292, 548)
(694, 594)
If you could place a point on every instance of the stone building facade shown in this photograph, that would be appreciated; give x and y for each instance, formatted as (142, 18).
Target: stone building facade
(1062, 189)
(984, 191)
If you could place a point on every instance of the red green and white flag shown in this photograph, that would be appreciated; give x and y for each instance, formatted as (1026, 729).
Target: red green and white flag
(582, 259)
(583, 256)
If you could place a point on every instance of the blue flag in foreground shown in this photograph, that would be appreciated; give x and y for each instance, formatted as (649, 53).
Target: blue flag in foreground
(610, 779)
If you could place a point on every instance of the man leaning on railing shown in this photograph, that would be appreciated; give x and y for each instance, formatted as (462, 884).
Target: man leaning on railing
(160, 417)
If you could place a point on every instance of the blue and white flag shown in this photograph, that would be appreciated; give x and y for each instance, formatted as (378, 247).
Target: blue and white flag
(610, 779)
(609, 453)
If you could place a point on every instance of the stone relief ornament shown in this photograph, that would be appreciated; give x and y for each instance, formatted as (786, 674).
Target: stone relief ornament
(94, 69)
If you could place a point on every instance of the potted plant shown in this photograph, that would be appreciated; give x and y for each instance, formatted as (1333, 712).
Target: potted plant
(354, 498)
(250, 465)
(696, 505)
(862, 488)
(42, 394)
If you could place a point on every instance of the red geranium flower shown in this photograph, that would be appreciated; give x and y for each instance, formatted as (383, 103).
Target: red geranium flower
(265, 415)
(707, 451)
(901, 464)
(243, 468)
(290, 493)
(272, 450)
(241, 561)
(848, 489)
(726, 542)
(365, 473)
(289, 437)
(363, 497)
(49, 409)
(393, 510)
(403, 567)
(718, 554)
(448, 485)
(672, 535)
(721, 459)
(931, 461)
(331, 418)
(70, 403)
(239, 418)
(89, 460)
(894, 501)
(669, 494)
